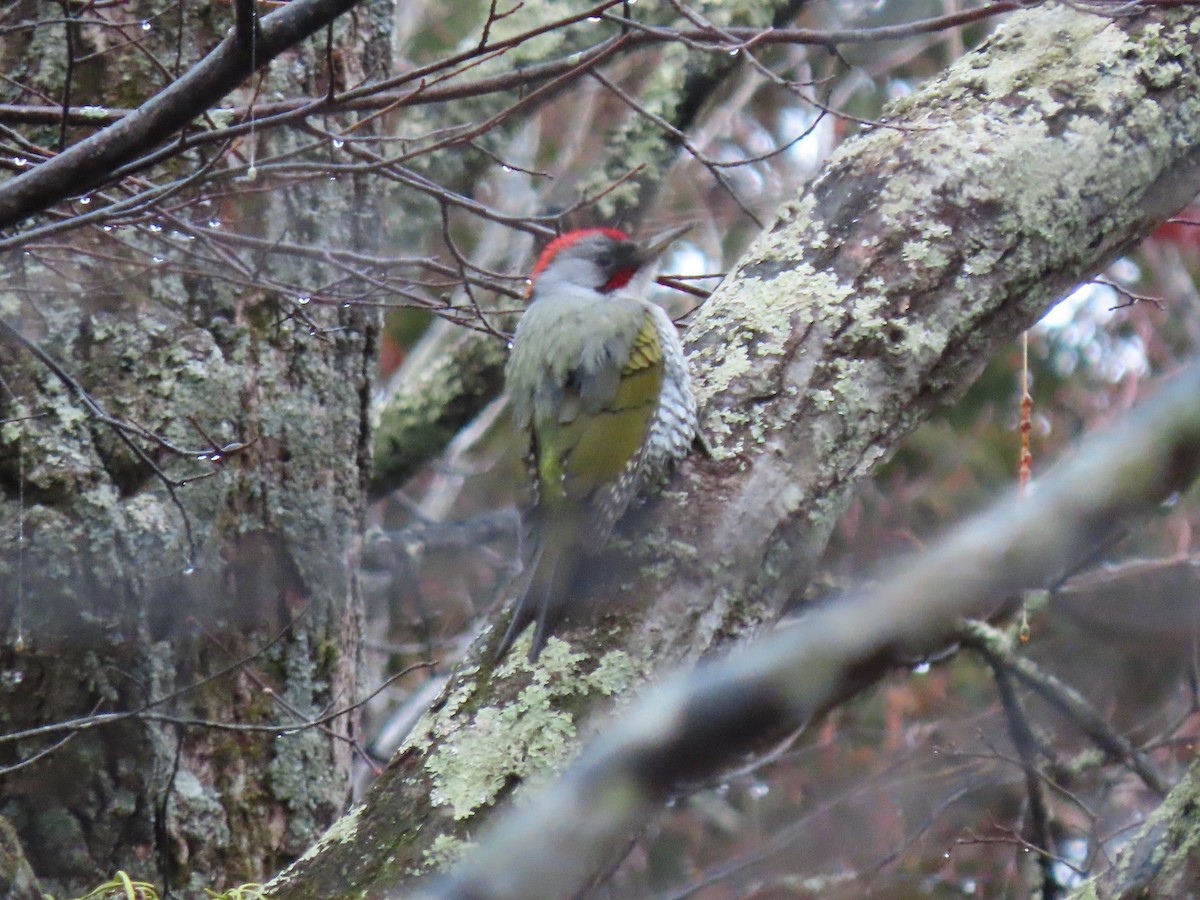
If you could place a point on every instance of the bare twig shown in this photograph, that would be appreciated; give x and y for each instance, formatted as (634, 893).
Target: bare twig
(995, 648)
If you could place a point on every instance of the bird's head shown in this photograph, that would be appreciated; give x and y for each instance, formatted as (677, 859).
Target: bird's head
(600, 259)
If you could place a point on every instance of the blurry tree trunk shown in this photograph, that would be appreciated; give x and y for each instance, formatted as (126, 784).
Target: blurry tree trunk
(108, 603)
(876, 295)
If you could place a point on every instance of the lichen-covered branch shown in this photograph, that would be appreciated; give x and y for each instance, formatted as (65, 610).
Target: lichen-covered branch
(875, 296)
(452, 374)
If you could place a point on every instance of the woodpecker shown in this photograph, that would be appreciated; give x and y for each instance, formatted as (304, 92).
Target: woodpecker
(600, 390)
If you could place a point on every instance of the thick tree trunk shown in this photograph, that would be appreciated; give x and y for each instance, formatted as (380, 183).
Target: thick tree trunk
(876, 295)
(173, 678)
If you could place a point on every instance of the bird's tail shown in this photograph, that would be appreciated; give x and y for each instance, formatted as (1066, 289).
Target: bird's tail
(542, 591)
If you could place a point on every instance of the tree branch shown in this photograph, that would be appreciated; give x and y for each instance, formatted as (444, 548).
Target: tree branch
(1160, 859)
(992, 646)
(88, 163)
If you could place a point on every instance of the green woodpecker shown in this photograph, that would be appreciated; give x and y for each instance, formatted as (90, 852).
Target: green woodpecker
(600, 390)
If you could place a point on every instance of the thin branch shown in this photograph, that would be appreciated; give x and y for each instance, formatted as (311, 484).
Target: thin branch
(683, 140)
(995, 648)
(164, 114)
(1026, 744)
(129, 134)
(1132, 299)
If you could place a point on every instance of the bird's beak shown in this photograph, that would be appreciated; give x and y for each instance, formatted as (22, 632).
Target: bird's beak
(654, 247)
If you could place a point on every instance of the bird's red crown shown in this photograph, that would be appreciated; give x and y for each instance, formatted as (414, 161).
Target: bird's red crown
(566, 240)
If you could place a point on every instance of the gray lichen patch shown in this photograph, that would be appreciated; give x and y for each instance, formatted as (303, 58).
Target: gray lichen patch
(755, 316)
(521, 739)
(478, 752)
(300, 760)
(444, 852)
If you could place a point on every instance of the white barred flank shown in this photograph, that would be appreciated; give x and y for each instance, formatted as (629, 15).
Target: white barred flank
(674, 426)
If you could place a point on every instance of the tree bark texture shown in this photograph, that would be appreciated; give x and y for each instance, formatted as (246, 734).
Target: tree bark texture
(172, 679)
(878, 294)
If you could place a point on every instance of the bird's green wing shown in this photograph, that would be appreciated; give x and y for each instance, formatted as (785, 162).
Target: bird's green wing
(592, 450)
